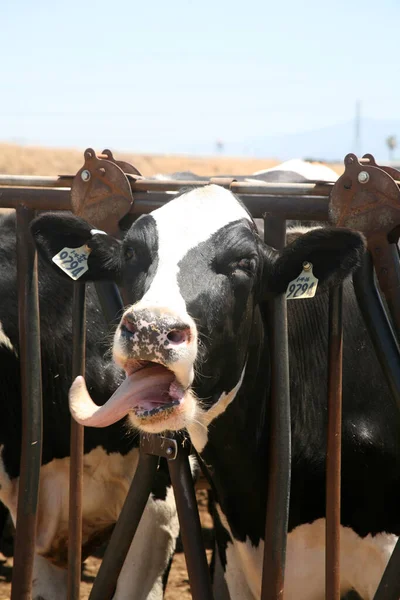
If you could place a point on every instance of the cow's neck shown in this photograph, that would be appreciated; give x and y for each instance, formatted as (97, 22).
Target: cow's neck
(238, 439)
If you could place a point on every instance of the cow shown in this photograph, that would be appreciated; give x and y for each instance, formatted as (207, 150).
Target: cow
(110, 455)
(193, 341)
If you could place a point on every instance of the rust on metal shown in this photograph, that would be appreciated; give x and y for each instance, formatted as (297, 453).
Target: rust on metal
(159, 445)
(101, 193)
(367, 198)
(279, 451)
(125, 166)
(334, 444)
(395, 173)
(31, 395)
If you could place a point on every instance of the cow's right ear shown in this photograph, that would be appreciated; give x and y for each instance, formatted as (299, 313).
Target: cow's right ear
(53, 232)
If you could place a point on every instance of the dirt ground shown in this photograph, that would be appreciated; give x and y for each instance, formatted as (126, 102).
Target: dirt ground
(26, 160)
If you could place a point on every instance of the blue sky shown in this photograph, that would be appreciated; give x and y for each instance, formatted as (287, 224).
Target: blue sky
(174, 76)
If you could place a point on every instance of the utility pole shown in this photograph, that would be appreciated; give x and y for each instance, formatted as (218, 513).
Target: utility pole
(391, 143)
(357, 130)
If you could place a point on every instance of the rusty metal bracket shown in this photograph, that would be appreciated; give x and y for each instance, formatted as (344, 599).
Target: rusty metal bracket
(159, 445)
(367, 198)
(395, 173)
(122, 164)
(101, 192)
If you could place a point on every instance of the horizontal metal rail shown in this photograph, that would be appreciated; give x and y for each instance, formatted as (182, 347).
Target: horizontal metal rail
(316, 188)
(314, 208)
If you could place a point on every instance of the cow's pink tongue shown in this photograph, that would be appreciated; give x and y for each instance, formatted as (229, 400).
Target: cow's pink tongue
(144, 390)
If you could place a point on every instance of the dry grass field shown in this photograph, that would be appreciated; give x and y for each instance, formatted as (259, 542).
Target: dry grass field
(23, 160)
(29, 160)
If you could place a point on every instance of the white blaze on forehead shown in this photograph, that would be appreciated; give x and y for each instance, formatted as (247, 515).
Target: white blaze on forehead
(183, 224)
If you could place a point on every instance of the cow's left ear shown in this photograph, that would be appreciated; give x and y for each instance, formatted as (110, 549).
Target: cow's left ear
(333, 252)
(53, 232)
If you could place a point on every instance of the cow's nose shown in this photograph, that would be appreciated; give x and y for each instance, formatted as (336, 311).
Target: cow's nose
(156, 329)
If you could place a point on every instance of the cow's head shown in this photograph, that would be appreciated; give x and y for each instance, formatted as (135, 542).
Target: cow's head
(193, 274)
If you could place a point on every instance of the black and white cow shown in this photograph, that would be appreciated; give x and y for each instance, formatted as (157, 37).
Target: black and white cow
(193, 342)
(110, 455)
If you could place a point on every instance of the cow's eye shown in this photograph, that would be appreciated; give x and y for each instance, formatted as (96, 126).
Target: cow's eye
(129, 252)
(249, 265)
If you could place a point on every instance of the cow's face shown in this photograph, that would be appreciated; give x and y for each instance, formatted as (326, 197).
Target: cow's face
(189, 280)
(192, 273)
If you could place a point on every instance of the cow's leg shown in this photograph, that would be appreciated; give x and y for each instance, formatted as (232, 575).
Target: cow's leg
(142, 576)
(49, 581)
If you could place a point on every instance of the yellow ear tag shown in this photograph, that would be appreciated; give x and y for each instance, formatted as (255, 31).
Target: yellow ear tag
(73, 261)
(304, 286)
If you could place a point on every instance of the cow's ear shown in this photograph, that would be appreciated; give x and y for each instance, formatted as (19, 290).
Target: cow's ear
(53, 232)
(333, 252)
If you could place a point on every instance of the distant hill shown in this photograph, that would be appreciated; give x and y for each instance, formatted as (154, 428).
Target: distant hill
(327, 144)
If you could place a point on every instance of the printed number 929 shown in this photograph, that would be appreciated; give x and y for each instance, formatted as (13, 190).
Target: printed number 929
(296, 290)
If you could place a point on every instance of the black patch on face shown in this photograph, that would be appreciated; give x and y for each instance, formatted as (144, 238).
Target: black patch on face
(141, 258)
(219, 295)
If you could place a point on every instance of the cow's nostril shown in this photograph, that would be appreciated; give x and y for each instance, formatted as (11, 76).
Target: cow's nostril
(179, 336)
(127, 324)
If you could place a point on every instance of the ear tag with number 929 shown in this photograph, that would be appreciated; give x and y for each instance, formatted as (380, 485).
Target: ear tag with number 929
(73, 261)
(304, 286)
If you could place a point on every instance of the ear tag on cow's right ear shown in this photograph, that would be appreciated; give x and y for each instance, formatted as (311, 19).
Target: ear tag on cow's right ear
(73, 261)
(304, 286)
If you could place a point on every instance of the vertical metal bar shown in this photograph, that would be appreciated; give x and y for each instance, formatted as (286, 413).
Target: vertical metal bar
(388, 354)
(279, 457)
(389, 587)
(379, 327)
(76, 446)
(192, 540)
(334, 445)
(125, 529)
(31, 397)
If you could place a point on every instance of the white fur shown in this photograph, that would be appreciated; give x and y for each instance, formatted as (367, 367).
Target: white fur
(5, 340)
(49, 581)
(362, 562)
(198, 429)
(142, 573)
(107, 478)
(183, 224)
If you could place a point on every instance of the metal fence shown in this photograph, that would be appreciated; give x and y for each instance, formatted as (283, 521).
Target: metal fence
(362, 197)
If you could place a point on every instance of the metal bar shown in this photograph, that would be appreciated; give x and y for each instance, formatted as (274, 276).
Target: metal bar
(125, 529)
(149, 185)
(35, 198)
(379, 327)
(279, 454)
(189, 520)
(389, 587)
(390, 281)
(76, 446)
(285, 189)
(31, 398)
(36, 181)
(313, 208)
(334, 444)
(388, 353)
